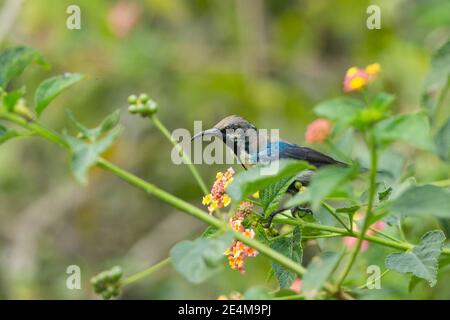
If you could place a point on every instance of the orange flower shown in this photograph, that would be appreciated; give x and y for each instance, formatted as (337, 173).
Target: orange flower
(318, 131)
(238, 251)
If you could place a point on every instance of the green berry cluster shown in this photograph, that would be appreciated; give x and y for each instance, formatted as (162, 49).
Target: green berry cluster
(107, 283)
(142, 105)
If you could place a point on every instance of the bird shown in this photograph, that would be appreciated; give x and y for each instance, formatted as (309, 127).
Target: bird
(252, 146)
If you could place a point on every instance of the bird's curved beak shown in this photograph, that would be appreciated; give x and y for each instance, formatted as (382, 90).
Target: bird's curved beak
(210, 132)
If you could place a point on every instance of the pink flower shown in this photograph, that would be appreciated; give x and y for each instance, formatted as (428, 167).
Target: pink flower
(318, 131)
(296, 286)
(350, 242)
(357, 78)
(123, 16)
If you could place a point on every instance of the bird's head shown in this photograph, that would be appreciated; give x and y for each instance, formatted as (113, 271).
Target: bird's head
(230, 129)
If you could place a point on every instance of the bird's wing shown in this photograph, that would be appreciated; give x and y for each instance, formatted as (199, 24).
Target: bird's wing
(312, 156)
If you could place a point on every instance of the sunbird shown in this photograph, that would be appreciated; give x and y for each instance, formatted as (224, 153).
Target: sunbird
(251, 147)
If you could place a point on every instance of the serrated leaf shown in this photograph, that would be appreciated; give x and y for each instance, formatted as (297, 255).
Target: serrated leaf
(422, 260)
(14, 60)
(200, 259)
(49, 89)
(271, 196)
(84, 155)
(6, 134)
(317, 272)
(423, 200)
(257, 178)
(442, 140)
(291, 247)
(403, 127)
(437, 77)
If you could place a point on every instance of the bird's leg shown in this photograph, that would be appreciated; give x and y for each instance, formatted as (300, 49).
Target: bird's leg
(294, 211)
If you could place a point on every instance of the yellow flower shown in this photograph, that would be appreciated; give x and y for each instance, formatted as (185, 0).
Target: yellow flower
(256, 195)
(226, 200)
(373, 68)
(351, 72)
(214, 205)
(207, 199)
(357, 83)
(219, 176)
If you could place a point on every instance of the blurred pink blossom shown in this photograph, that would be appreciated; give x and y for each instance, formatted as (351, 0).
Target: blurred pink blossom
(123, 16)
(318, 131)
(296, 286)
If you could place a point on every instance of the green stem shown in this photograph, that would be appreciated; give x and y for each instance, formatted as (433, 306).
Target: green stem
(367, 219)
(203, 216)
(334, 214)
(145, 273)
(186, 159)
(35, 127)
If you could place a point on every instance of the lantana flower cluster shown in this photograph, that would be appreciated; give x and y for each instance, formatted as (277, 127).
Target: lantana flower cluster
(238, 251)
(218, 198)
(357, 78)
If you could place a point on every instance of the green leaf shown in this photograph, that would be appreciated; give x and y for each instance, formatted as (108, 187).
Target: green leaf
(327, 180)
(257, 293)
(442, 140)
(271, 196)
(384, 194)
(342, 110)
(422, 260)
(51, 88)
(6, 134)
(291, 247)
(93, 134)
(299, 198)
(209, 232)
(423, 201)
(317, 272)
(200, 259)
(350, 210)
(10, 99)
(14, 60)
(437, 77)
(257, 178)
(85, 155)
(382, 101)
(404, 127)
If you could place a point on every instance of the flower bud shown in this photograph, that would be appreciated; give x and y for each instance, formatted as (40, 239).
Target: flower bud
(132, 99)
(143, 98)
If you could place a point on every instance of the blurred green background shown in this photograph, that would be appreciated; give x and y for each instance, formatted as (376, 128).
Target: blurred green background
(268, 61)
